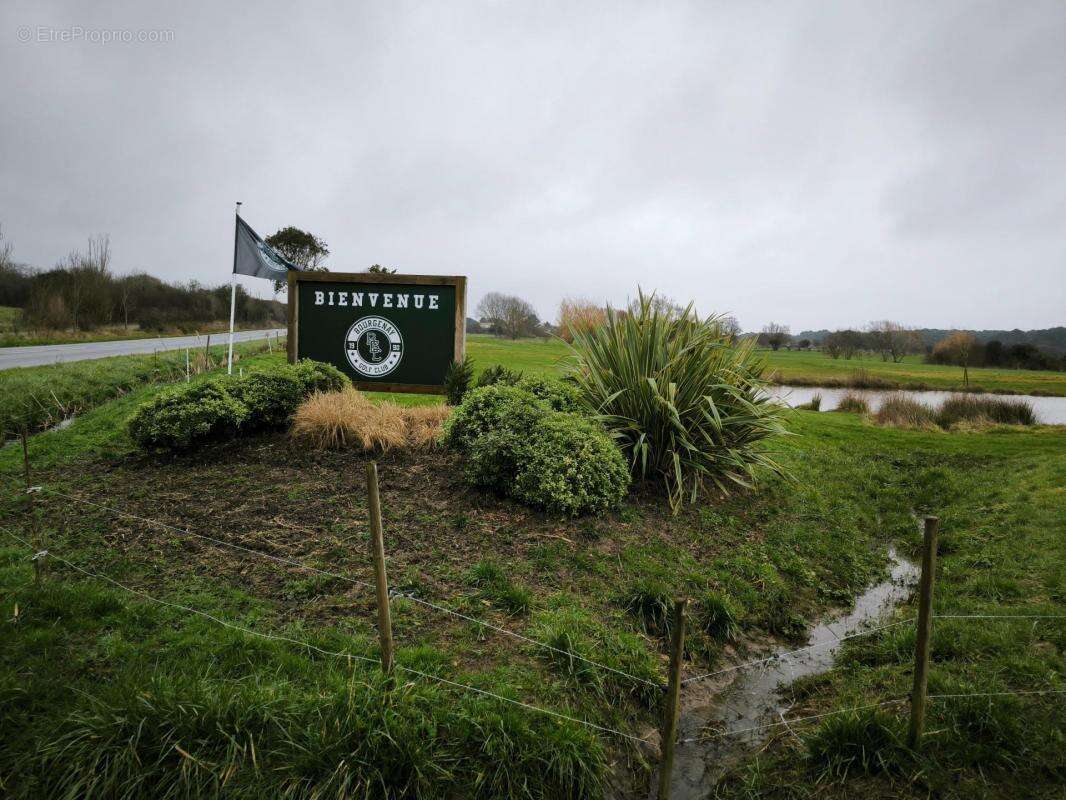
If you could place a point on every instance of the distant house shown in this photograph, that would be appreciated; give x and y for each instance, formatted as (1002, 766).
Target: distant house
(476, 326)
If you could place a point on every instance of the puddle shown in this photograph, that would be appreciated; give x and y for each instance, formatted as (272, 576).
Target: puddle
(733, 702)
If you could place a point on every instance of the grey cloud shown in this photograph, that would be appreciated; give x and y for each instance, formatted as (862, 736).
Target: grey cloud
(817, 164)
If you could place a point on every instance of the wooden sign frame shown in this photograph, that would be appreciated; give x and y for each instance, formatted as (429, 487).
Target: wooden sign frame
(295, 279)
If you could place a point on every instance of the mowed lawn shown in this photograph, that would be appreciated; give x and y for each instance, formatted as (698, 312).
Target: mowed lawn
(818, 369)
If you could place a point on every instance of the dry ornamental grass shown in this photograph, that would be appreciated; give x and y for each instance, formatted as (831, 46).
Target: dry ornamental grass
(348, 418)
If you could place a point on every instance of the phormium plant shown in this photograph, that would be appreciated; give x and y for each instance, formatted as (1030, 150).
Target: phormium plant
(687, 403)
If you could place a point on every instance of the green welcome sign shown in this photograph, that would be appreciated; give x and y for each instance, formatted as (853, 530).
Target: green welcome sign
(390, 333)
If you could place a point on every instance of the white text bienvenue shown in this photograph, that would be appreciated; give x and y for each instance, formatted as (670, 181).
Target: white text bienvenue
(378, 300)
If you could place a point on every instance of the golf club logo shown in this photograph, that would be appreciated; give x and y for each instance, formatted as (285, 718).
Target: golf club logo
(271, 260)
(374, 347)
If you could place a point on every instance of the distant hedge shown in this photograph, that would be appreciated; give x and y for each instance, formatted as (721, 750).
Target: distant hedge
(221, 407)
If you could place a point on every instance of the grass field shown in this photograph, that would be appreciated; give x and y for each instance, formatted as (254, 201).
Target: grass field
(105, 692)
(817, 369)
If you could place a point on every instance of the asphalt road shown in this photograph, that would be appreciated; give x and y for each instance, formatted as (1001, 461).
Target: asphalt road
(37, 355)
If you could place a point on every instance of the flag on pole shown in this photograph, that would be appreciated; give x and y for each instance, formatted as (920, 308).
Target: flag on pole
(252, 256)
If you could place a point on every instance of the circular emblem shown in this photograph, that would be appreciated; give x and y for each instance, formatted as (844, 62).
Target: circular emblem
(374, 346)
(271, 260)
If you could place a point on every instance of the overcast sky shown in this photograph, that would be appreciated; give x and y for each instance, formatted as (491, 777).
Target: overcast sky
(817, 164)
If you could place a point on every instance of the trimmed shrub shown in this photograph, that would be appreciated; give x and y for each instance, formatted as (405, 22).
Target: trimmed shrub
(570, 466)
(499, 374)
(271, 397)
(319, 377)
(217, 407)
(493, 460)
(689, 405)
(559, 395)
(186, 415)
(489, 409)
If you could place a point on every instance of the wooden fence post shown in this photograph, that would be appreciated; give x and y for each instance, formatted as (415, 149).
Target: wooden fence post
(38, 558)
(377, 550)
(925, 632)
(673, 700)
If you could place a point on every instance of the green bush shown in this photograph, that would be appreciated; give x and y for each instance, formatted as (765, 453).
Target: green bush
(271, 397)
(559, 395)
(687, 403)
(499, 374)
(185, 415)
(490, 409)
(221, 406)
(493, 460)
(569, 465)
(319, 377)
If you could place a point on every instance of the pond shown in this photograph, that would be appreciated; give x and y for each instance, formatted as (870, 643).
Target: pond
(1049, 410)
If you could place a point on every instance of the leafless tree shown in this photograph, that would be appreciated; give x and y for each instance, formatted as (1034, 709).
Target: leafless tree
(661, 304)
(125, 299)
(892, 340)
(729, 326)
(775, 335)
(509, 315)
(842, 344)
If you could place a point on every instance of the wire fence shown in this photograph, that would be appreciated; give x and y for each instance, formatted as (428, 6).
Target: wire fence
(304, 644)
(358, 582)
(40, 552)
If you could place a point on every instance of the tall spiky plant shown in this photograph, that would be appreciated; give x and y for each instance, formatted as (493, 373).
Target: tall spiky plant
(687, 403)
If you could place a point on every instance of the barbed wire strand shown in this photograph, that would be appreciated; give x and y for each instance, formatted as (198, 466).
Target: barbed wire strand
(337, 654)
(181, 607)
(782, 656)
(365, 584)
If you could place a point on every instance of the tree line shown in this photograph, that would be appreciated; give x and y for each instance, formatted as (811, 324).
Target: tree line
(81, 293)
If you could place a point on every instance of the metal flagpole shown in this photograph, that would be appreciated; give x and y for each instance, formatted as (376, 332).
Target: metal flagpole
(233, 289)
